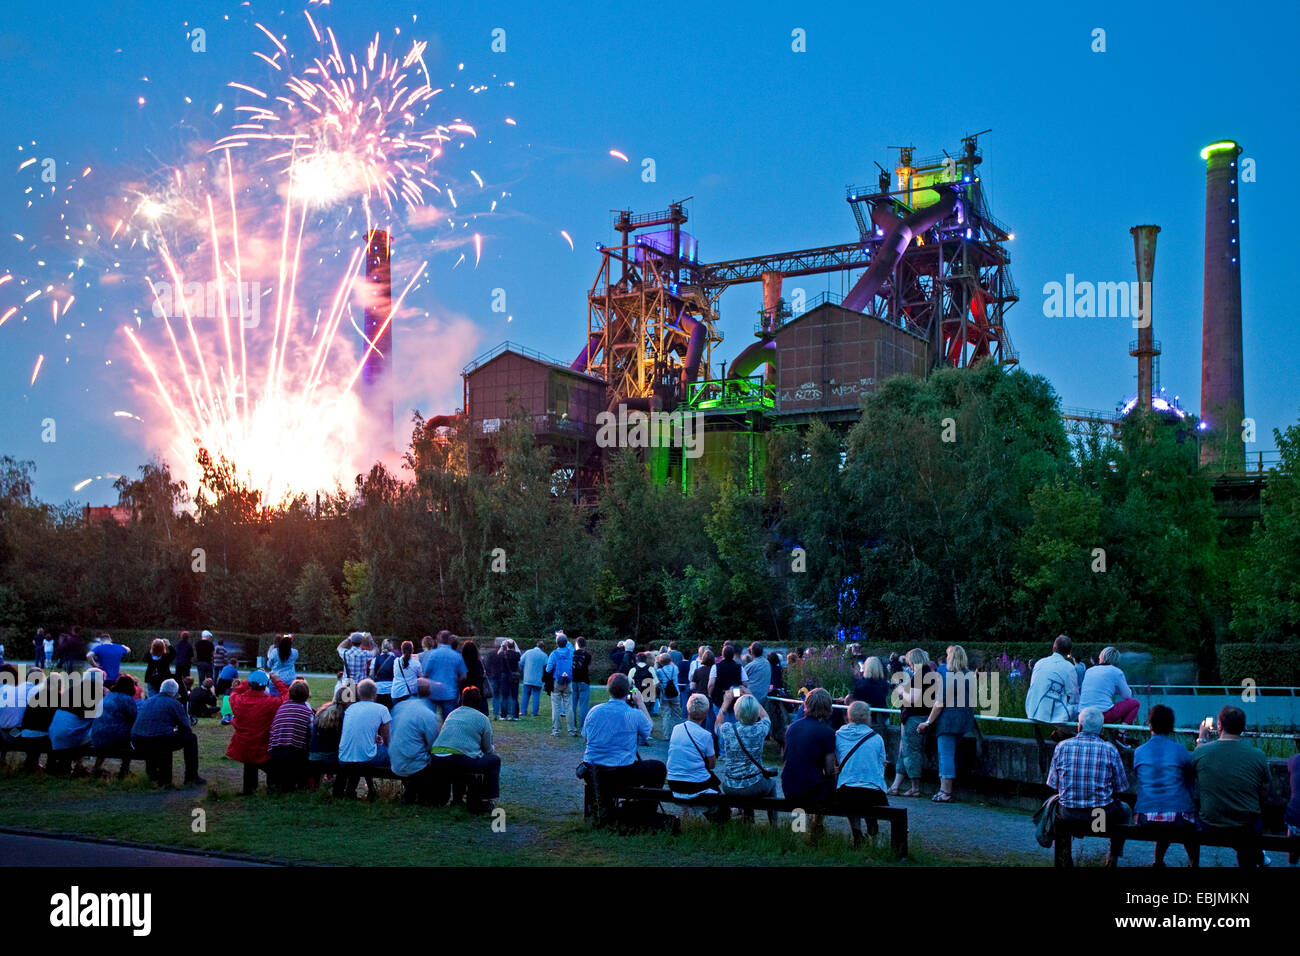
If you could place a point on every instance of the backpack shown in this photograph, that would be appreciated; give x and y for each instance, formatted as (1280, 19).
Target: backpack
(643, 679)
(670, 690)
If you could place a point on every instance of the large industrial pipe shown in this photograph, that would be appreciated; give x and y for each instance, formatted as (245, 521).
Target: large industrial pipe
(898, 235)
(1144, 251)
(771, 299)
(1222, 379)
(698, 331)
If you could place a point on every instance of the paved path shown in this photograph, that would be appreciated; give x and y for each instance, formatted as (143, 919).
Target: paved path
(22, 850)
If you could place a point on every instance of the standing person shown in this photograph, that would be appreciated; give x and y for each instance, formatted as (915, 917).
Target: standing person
(220, 656)
(475, 675)
(282, 659)
(952, 717)
(289, 740)
(613, 731)
(872, 687)
(644, 678)
(560, 668)
(363, 745)
(911, 714)
(71, 649)
(511, 673)
(860, 764)
(184, 657)
(533, 665)
(743, 773)
(724, 675)
(808, 775)
(39, 654)
(1292, 815)
(406, 674)
(107, 656)
(381, 672)
(1088, 776)
(203, 654)
(581, 684)
(162, 726)
(700, 671)
(1232, 778)
(1106, 688)
(159, 666)
(355, 657)
(670, 703)
(443, 667)
(492, 664)
(254, 709)
(758, 674)
(1163, 768)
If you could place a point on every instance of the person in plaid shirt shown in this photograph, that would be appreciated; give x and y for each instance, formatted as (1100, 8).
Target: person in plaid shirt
(356, 657)
(1088, 776)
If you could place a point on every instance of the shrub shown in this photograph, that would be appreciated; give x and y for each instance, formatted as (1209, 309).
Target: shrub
(1266, 664)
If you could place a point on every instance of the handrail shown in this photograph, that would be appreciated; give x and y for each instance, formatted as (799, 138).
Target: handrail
(1026, 720)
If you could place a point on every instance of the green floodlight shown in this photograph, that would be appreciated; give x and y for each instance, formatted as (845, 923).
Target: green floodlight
(1217, 147)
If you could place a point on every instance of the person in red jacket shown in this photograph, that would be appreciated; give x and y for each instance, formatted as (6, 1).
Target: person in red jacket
(254, 708)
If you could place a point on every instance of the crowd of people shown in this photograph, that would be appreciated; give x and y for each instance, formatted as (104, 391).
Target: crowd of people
(423, 717)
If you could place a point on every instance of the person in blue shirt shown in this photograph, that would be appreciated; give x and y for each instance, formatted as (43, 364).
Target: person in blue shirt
(613, 731)
(162, 726)
(1164, 772)
(110, 734)
(107, 656)
(560, 667)
(443, 667)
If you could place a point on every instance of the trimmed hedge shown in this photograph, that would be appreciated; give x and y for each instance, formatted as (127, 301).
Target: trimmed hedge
(982, 651)
(1268, 665)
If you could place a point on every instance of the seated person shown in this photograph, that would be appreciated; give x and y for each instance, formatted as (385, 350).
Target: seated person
(363, 744)
(741, 742)
(691, 752)
(411, 740)
(463, 754)
(70, 726)
(289, 739)
(1088, 776)
(110, 734)
(254, 707)
(326, 728)
(42, 703)
(13, 701)
(860, 757)
(808, 776)
(613, 731)
(203, 700)
(1163, 768)
(162, 727)
(1105, 687)
(1233, 780)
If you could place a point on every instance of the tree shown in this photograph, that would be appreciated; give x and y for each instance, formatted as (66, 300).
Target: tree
(316, 608)
(1267, 588)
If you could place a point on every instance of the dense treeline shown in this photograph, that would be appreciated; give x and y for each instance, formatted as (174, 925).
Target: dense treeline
(954, 510)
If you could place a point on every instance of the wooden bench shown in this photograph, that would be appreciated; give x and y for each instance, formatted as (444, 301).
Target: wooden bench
(896, 817)
(1066, 834)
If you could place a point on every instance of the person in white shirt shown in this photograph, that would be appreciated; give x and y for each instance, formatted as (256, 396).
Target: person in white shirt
(1053, 696)
(691, 754)
(406, 673)
(363, 743)
(1106, 688)
(860, 756)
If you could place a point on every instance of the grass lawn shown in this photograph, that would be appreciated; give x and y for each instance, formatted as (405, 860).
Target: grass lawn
(541, 798)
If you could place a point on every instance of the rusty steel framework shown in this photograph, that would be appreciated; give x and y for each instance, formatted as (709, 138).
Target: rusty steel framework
(643, 306)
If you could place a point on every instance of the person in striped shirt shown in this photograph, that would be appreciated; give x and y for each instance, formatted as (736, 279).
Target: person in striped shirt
(1088, 776)
(290, 735)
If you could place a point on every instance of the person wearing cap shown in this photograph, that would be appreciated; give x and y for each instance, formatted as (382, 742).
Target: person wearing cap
(203, 657)
(560, 668)
(162, 726)
(253, 708)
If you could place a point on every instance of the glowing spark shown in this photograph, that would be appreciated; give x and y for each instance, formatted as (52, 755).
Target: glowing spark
(567, 238)
(618, 155)
(477, 178)
(478, 249)
(40, 360)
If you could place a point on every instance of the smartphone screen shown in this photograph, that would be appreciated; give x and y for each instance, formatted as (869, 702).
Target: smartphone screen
(735, 692)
